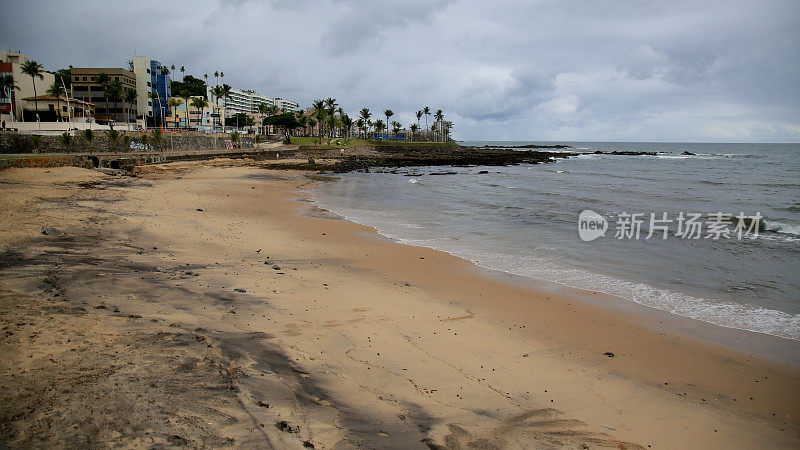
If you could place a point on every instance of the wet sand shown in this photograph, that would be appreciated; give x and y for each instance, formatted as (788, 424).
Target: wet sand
(210, 304)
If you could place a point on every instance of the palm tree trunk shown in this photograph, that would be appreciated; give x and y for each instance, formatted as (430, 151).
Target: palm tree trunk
(35, 100)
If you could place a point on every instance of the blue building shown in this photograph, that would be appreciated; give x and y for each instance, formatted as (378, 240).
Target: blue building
(153, 90)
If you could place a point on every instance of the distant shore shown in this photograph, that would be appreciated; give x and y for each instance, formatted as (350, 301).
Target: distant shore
(209, 303)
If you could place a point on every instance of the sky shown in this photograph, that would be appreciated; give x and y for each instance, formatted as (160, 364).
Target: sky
(543, 70)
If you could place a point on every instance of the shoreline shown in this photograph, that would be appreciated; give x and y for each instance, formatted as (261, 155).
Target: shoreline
(427, 345)
(779, 349)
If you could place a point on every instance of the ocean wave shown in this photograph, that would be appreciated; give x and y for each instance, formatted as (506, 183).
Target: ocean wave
(780, 227)
(711, 310)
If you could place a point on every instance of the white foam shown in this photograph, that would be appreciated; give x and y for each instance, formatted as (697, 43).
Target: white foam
(715, 311)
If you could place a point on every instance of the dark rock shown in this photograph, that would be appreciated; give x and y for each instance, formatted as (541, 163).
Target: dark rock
(609, 354)
(688, 153)
(50, 231)
(284, 426)
(240, 290)
(483, 172)
(276, 267)
(307, 444)
(262, 404)
(199, 209)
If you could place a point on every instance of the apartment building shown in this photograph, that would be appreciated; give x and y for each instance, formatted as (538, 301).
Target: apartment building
(87, 88)
(154, 90)
(286, 105)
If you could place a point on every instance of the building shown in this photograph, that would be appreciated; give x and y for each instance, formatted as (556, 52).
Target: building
(241, 101)
(286, 105)
(153, 92)
(53, 109)
(10, 63)
(87, 88)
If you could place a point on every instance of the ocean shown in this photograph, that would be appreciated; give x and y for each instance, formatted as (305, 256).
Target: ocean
(524, 220)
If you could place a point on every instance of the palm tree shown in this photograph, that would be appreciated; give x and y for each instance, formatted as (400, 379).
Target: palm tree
(103, 79)
(34, 70)
(447, 126)
(216, 91)
(332, 122)
(388, 113)
(199, 103)
(114, 92)
(88, 134)
(130, 97)
(379, 126)
(331, 104)
(183, 74)
(365, 115)
(312, 122)
(439, 117)
(347, 122)
(8, 86)
(414, 127)
(174, 103)
(419, 116)
(187, 97)
(226, 94)
(319, 111)
(216, 75)
(55, 91)
(360, 123)
(396, 126)
(263, 109)
(427, 111)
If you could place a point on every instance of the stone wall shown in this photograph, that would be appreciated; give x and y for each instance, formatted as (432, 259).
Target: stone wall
(12, 142)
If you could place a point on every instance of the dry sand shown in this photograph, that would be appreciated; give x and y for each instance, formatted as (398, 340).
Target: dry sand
(210, 304)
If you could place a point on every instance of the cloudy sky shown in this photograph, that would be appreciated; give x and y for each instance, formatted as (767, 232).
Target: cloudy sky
(559, 70)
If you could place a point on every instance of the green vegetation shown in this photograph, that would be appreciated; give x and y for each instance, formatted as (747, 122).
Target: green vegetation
(66, 139)
(157, 137)
(189, 87)
(200, 104)
(288, 121)
(113, 138)
(103, 79)
(64, 76)
(114, 92)
(36, 142)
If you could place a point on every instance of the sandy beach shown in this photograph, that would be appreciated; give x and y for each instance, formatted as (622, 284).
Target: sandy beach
(211, 304)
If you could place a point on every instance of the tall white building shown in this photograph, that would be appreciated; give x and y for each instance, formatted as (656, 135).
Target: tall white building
(247, 102)
(244, 102)
(153, 90)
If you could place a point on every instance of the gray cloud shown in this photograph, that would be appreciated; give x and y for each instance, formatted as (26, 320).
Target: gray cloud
(558, 70)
